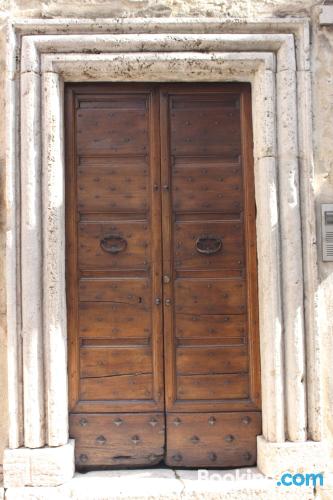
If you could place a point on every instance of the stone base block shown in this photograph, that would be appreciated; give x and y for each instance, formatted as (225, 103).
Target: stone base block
(325, 492)
(2, 493)
(326, 15)
(39, 466)
(274, 459)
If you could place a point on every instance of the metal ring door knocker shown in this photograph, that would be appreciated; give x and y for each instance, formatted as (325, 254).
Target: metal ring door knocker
(113, 244)
(208, 245)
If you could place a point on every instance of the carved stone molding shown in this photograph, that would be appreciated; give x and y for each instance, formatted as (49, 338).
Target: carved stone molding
(274, 56)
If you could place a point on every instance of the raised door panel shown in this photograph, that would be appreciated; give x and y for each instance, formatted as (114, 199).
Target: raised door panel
(114, 272)
(118, 439)
(213, 439)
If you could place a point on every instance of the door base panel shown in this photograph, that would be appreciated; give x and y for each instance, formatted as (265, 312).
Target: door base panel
(118, 439)
(137, 439)
(212, 439)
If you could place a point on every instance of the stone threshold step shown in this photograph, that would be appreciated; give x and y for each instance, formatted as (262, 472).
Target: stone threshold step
(166, 484)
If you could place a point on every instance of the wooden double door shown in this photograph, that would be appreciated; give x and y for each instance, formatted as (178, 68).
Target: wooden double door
(161, 275)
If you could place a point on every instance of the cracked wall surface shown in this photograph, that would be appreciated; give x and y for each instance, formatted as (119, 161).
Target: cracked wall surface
(322, 79)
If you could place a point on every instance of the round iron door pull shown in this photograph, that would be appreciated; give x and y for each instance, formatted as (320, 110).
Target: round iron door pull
(113, 244)
(208, 245)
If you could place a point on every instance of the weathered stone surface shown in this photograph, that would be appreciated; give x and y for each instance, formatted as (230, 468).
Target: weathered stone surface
(147, 8)
(326, 15)
(276, 458)
(264, 119)
(31, 237)
(322, 313)
(325, 492)
(322, 63)
(217, 66)
(3, 311)
(191, 66)
(269, 281)
(39, 466)
(166, 484)
(54, 296)
(174, 66)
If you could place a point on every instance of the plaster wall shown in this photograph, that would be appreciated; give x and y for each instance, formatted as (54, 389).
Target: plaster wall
(322, 64)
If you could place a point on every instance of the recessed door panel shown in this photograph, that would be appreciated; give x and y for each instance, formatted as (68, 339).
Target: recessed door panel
(114, 245)
(203, 184)
(112, 184)
(223, 239)
(216, 439)
(162, 275)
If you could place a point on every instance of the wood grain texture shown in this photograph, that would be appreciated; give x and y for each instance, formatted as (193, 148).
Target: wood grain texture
(113, 249)
(202, 184)
(162, 273)
(100, 320)
(206, 162)
(118, 439)
(210, 326)
(212, 439)
(210, 296)
(230, 256)
(135, 235)
(113, 184)
(211, 360)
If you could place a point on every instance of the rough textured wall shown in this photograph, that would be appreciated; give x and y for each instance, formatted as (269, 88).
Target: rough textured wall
(135, 8)
(323, 113)
(322, 64)
(3, 374)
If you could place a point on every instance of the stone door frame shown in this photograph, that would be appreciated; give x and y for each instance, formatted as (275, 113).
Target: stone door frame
(272, 54)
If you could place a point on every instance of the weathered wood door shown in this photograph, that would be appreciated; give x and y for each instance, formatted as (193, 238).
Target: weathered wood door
(161, 275)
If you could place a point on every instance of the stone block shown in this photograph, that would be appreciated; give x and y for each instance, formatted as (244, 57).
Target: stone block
(326, 15)
(166, 484)
(295, 457)
(39, 466)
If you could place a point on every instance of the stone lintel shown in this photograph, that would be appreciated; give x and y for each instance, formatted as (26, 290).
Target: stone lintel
(38, 466)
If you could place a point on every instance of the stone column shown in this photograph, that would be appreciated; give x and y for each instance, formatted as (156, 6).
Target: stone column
(292, 258)
(31, 258)
(43, 294)
(269, 257)
(54, 296)
(12, 194)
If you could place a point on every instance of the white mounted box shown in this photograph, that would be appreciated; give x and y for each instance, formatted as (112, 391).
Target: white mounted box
(327, 231)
